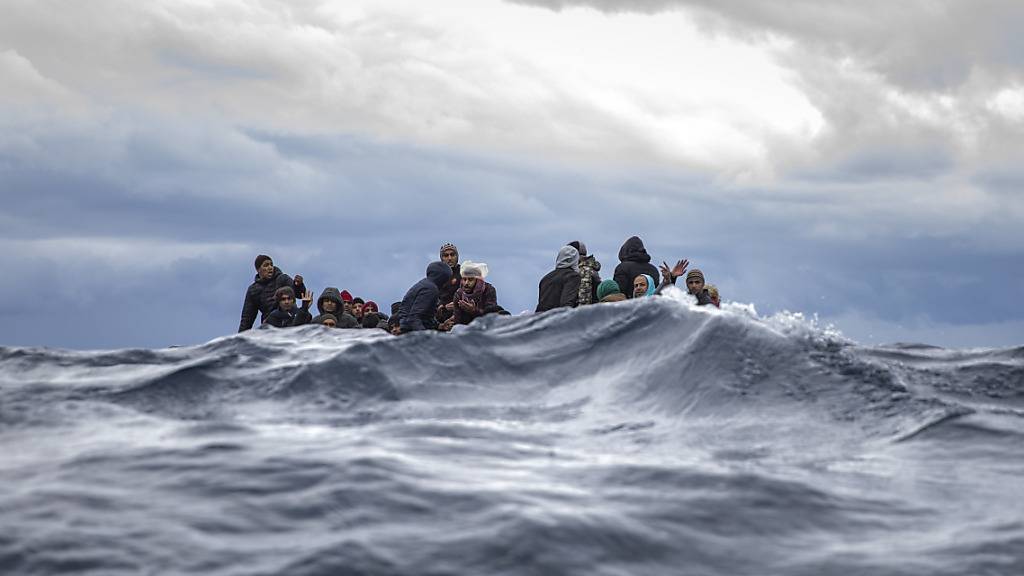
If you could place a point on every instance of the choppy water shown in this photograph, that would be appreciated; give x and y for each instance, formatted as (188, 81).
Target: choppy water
(637, 438)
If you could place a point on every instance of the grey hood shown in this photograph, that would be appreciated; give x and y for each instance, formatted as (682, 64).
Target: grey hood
(568, 257)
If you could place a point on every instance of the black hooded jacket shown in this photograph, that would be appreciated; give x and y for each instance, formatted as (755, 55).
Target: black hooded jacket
(633, 261)
(259, 297)
(334, 295)
(420, 303)
(294, 317)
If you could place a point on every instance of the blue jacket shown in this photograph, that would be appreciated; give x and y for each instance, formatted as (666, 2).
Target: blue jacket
(420, 303)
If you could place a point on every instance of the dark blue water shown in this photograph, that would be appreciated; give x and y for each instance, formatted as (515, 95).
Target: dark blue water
(637, 438)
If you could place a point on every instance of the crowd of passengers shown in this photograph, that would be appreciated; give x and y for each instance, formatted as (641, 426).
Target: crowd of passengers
(455, 292)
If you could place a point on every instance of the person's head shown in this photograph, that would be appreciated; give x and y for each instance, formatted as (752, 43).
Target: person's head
(439, 273)
(264, 266)
(568, 257)
(371, 320)
(346, 301)
(369, 307)
(285, 298)
(328, 320)
(330, 307)
(607, 288)
(472, 272)
(580, 247)
(713, 294)
(450, 254)
(643, 286)
(357, 307)
(695, 281)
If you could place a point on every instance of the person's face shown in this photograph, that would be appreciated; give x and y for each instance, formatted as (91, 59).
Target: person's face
(267, 269)
(639, 286)
(330, 306)
(694, 285)
(330, 323)
(468, 284)
(286, 302)
(357, 309)
(450, 257)
(347, 306)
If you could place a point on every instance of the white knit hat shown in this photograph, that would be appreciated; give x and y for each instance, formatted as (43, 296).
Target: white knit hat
(472, 269)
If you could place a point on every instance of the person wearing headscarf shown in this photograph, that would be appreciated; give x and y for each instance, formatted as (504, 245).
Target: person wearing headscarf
(633, 261)
(643, 285)
(589, 274)
(608, 291)
(475, 296)
(560, 287)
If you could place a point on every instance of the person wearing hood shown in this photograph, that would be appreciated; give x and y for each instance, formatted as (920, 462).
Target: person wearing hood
(475, 297)
(608, 291)
(260, 295)
(419, 306)
(589, 277)
(561, 287)
(643, 285)
(633, 261)
(286, 315)
(449, 255)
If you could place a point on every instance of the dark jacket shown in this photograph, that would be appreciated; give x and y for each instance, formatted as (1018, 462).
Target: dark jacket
(561, 286)
(447, 294)
(420, 303)
(259, 297)
(703, 298)
(633, 261)
(483, 295)
(334, 295)
(294, 317)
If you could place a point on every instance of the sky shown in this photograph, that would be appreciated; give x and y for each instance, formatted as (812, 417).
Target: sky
(857, 162)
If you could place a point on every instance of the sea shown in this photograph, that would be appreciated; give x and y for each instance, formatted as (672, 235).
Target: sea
(646, 437)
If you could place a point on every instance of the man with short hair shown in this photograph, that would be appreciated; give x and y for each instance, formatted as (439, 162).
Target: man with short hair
(260, 295)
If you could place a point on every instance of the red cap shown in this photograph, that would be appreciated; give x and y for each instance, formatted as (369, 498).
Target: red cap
(345, 296)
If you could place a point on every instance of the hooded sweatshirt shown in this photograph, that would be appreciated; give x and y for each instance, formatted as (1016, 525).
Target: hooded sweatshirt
(334, 295)
(633, 261)
(420, 302)
(560, 287)
(259, 297)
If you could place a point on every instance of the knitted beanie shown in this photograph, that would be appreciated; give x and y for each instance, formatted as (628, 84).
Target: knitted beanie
(695, 273)
(449, 246)
(607, 287)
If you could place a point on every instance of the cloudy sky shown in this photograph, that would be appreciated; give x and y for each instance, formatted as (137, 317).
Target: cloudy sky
(858, 161)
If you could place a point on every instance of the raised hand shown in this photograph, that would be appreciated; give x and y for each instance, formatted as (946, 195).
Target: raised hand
(307, 299)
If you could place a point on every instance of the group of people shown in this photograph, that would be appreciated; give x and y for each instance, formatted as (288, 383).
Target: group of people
(454, 292)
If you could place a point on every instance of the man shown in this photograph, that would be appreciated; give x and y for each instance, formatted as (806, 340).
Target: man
(419, 305)
(326, 320)
(608, 291)
(475, 297)
(561, 287)
(633, 261)
(332, 302)
(286, 315)
(589, 277)
(695, 286)
(450, 256)
(357, 308)
(260, 296)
